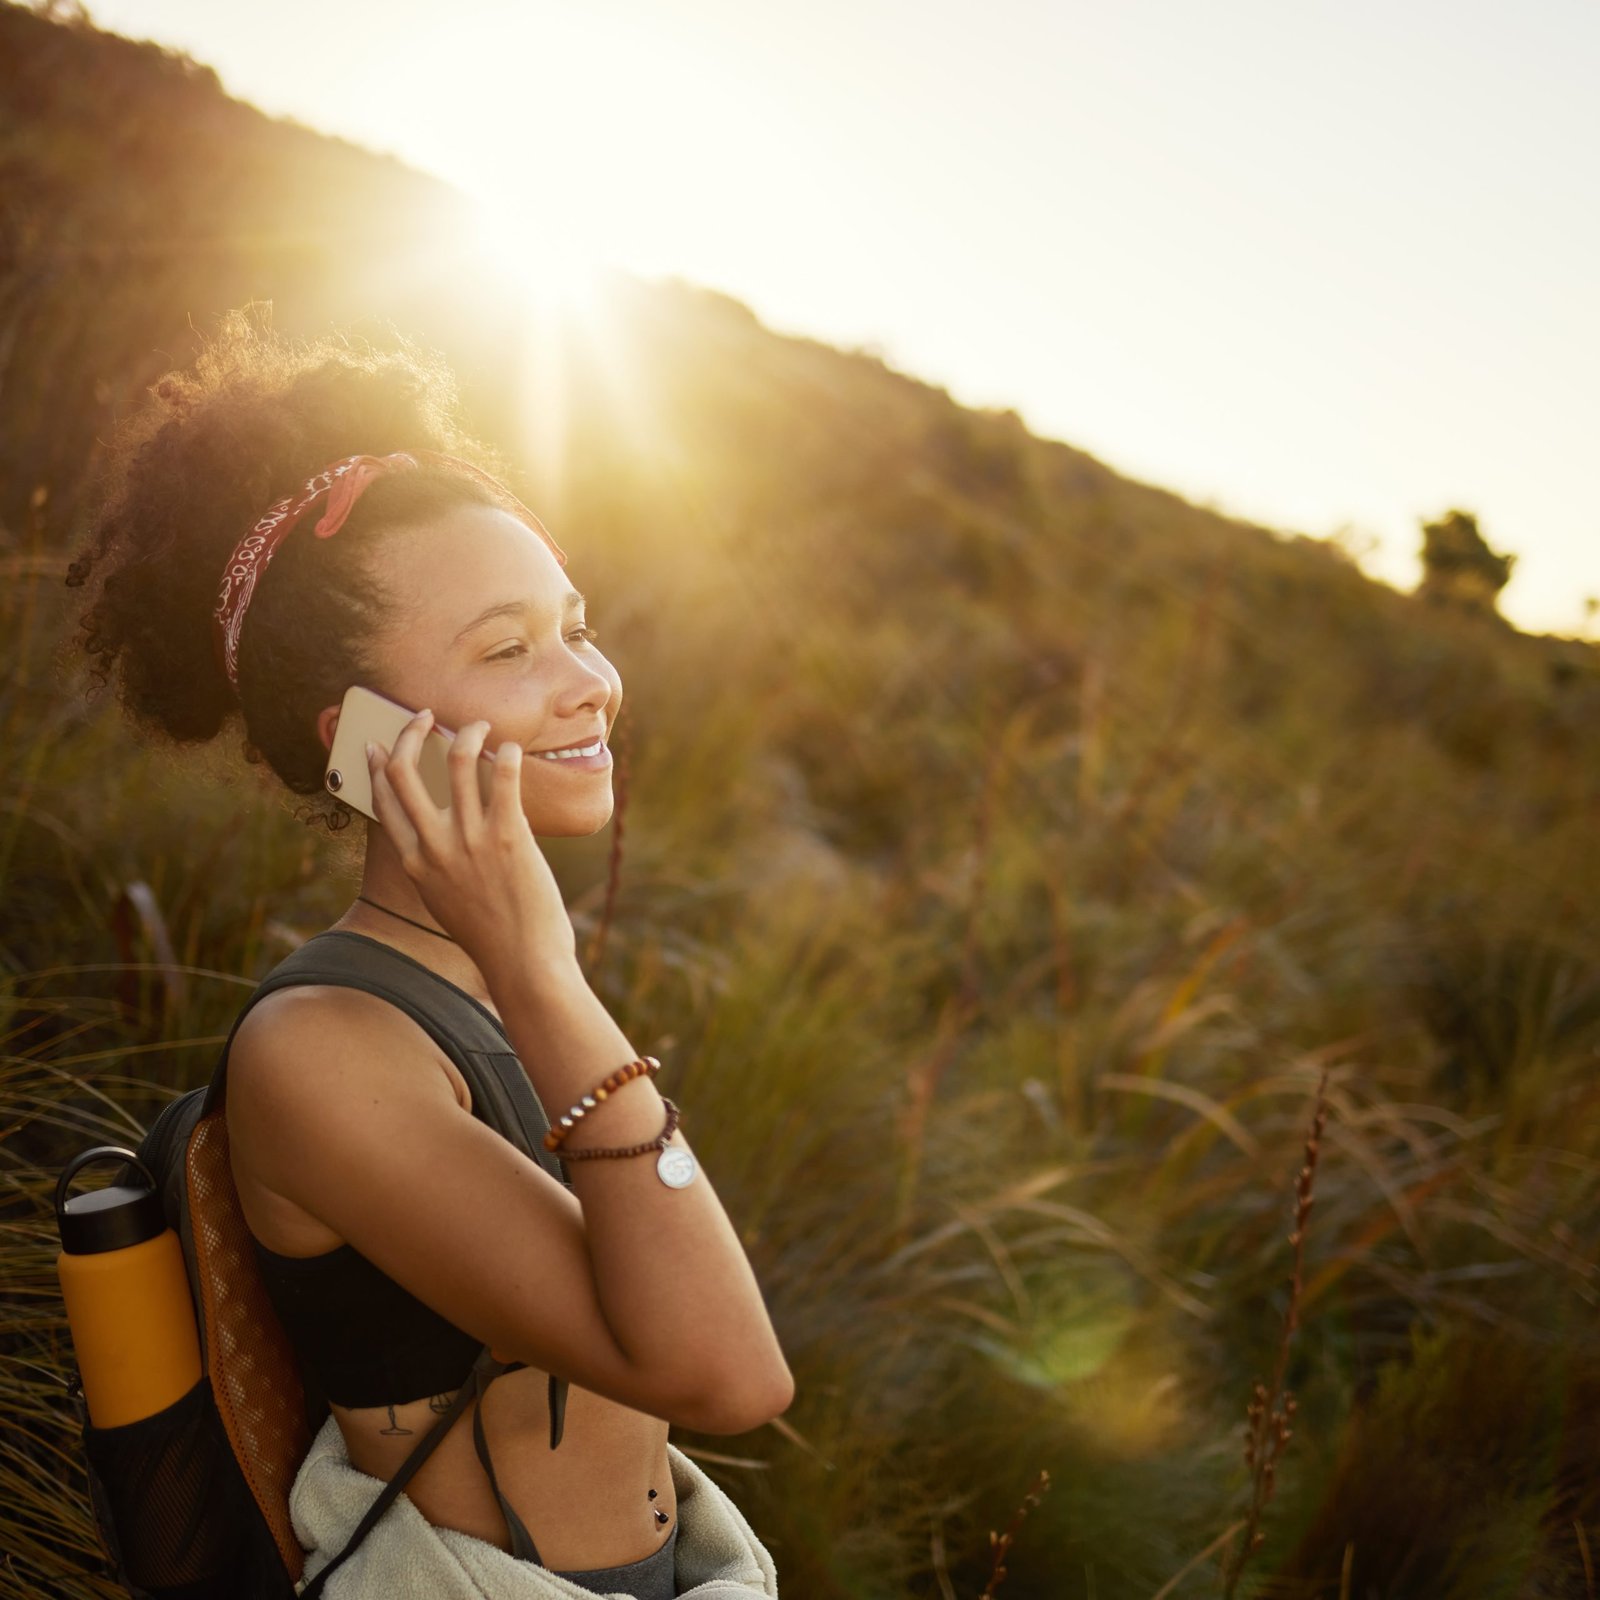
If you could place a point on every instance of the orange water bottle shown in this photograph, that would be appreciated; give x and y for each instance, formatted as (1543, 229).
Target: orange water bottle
(127, 1295)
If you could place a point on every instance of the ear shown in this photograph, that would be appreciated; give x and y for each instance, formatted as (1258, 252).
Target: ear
(327, 723)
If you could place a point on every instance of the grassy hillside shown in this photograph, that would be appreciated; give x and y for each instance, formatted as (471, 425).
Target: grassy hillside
(1009, 854)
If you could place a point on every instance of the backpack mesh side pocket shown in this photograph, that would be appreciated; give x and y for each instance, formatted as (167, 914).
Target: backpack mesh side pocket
(178, 1509)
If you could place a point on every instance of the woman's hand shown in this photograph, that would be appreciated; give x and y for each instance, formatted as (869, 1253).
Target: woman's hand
(477, 868)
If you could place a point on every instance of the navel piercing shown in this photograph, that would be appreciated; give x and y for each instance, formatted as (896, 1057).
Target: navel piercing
(660, 1514)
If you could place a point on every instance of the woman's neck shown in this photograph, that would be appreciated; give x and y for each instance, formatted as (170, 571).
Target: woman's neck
(389, 911)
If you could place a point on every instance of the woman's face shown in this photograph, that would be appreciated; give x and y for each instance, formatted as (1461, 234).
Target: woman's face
(488, 625)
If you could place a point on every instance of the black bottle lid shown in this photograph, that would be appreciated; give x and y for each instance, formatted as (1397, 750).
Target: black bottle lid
(111, 1218)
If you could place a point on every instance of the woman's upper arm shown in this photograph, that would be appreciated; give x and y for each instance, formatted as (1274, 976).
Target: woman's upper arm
(337, 1104)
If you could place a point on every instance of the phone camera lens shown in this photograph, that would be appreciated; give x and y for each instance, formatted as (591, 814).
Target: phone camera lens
(335, 780)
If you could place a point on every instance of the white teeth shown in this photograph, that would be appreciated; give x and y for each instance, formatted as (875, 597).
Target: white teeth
(566, 755)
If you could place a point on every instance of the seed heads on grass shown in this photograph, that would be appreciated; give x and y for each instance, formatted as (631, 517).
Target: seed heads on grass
(1000, 1543)
(1267, 1427)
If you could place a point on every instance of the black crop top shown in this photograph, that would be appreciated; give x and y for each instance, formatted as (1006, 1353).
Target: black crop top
(365, 1339)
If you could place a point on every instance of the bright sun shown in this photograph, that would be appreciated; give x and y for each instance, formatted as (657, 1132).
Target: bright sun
(557, 280)
(568, 311)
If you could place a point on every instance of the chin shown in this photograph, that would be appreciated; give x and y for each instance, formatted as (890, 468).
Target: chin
(569, 821)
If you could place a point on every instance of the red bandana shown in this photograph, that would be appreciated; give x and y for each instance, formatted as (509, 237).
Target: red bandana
(342, 484)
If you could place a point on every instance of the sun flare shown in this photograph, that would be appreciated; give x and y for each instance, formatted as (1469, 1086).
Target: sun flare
(557, 279)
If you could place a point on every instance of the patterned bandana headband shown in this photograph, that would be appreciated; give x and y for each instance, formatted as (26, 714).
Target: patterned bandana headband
(342, 485)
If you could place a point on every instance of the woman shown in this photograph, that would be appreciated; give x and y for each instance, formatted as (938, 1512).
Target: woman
(359, 1165)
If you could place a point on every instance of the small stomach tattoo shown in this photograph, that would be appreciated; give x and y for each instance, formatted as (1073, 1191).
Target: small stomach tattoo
(440, 1403)
(394, 1427)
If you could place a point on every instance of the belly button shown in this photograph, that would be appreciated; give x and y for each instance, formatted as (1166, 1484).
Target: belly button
(661, 1515)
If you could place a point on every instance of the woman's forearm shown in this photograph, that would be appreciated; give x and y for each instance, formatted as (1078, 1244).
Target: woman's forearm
(673, 1280)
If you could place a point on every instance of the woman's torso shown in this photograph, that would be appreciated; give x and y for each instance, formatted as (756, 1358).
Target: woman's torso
(586, 1504)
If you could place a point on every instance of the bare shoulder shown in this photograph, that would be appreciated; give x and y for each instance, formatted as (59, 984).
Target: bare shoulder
(344, 1127)
(305, 1065)
(319, 1039)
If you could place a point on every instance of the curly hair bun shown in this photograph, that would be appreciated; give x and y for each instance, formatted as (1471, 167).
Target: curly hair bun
(249, 420)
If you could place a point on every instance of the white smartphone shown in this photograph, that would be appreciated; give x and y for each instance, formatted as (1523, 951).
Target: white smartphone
(365, 714)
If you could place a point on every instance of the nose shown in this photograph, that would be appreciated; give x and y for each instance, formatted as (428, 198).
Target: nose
(585, 686)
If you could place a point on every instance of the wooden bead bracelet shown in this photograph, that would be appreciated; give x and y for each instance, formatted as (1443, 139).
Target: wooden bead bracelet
(657, 1143)
(675, 1165)
(562, 1126)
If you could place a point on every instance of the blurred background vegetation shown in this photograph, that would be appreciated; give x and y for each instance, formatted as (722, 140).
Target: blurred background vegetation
(1010, 851)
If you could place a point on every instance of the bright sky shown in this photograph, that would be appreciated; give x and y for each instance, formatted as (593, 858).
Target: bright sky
(1335, 262)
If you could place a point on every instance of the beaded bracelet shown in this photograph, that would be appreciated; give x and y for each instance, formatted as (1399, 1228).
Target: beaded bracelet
(675, 1166)
(607, 1085)
(630, 1149)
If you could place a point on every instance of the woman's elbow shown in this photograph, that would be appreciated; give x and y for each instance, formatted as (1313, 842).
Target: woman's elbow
(740, 1408)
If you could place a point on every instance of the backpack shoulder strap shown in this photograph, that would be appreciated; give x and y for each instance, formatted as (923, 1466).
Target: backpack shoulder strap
(465, 1029)
(474, 1039)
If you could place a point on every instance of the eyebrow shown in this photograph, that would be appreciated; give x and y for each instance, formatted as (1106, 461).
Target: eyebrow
(573, 602)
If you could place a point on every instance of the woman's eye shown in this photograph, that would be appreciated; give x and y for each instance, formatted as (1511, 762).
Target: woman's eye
(511, 652)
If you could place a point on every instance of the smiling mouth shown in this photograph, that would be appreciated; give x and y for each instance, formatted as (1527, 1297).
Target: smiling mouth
(578, 752)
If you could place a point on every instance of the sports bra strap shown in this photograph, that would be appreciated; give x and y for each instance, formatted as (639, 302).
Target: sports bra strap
(484, 1371)
(462, 1026)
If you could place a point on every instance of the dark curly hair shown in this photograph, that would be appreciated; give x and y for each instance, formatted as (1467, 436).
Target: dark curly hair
(188, 471)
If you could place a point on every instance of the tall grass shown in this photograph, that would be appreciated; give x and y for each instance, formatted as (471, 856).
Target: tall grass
(997, 1003)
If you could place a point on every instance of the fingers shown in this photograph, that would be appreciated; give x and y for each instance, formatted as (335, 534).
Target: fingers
(422, 832)
(404, 807)
(466, 798)
(505, 792)
(386, 806)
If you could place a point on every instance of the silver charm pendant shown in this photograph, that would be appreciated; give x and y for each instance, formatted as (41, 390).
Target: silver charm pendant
(676, 1166)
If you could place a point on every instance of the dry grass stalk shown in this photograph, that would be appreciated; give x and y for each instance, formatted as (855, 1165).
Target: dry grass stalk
(1268, 1430)
(960, 1009)
(1000, 1543)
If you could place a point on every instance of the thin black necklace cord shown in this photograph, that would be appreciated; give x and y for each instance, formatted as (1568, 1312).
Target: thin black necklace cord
(404, 918)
